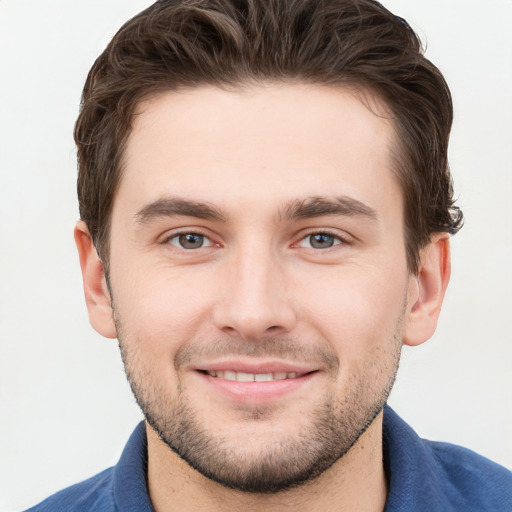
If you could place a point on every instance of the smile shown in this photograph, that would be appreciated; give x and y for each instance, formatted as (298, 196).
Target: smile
(253, 377)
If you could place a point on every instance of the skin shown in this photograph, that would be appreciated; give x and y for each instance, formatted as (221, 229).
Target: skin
(260, 295)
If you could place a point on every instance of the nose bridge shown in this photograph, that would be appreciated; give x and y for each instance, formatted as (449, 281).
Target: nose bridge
(255, 302)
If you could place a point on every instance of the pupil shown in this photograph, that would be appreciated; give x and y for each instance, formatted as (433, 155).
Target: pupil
(191, 241)
(322, 241)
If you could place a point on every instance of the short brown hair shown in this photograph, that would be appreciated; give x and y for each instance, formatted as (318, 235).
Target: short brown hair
(188, 43)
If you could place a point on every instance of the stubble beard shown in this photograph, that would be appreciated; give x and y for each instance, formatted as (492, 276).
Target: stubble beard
(334, 426)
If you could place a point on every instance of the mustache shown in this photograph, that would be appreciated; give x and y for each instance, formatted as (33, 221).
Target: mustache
(288, 349)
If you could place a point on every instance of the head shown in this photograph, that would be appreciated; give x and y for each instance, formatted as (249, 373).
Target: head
(266, 186)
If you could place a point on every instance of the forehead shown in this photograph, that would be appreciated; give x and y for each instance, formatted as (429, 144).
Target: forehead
(259, 145)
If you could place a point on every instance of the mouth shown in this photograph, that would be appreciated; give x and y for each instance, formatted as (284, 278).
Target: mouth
(252, 377)
(255, 384)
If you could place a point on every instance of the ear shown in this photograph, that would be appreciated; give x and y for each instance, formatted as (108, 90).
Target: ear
(96, 292)
(427, 289)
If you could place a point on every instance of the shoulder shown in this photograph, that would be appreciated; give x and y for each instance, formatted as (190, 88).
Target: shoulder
(92, 494)
(472, 478)
(120, 488)
(428, 476)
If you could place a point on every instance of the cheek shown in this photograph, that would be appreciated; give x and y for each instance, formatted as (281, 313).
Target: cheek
(356, 309)
(159, 310)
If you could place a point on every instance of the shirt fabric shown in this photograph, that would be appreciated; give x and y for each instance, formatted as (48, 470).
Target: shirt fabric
(423, 476)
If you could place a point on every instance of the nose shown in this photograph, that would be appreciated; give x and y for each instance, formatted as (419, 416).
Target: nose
(254, 299)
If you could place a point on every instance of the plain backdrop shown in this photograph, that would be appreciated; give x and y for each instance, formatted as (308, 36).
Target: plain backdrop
(65, 408)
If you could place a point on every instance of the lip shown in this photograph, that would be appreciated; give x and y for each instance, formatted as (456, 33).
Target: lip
(255, 393)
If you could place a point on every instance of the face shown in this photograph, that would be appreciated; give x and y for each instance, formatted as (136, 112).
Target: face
(259, 277)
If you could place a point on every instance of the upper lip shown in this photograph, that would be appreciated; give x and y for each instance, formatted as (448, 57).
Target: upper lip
(255, 367)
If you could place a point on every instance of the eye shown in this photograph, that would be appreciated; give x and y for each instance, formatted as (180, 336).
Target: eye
(190, 241)
(320, 241)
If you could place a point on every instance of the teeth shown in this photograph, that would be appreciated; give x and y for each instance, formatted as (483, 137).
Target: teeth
(252, 377)
(263, 377)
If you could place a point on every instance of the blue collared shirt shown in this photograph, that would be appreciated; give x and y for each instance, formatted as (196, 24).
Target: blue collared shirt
(423, 476)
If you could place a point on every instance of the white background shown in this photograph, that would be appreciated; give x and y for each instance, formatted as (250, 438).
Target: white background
(65, 409)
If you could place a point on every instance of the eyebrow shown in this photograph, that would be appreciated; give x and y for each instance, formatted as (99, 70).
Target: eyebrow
(173, 206)
(298, 209)
(320, 206)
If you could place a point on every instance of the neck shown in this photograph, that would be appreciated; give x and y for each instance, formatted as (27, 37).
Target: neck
(354, 483)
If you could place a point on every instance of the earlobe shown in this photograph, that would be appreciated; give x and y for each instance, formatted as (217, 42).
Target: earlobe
(427, 289)
(97, 296)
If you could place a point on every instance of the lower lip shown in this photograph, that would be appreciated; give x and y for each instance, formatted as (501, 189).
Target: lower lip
(255, 391)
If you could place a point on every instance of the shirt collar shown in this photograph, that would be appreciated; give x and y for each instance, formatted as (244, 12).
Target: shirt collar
(130, 487)
(414, 479)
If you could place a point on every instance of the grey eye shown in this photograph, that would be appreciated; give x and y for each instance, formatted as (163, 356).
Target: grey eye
(321, 240)
(189, 241)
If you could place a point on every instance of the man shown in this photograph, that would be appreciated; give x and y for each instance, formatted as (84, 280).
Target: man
(265, 211)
